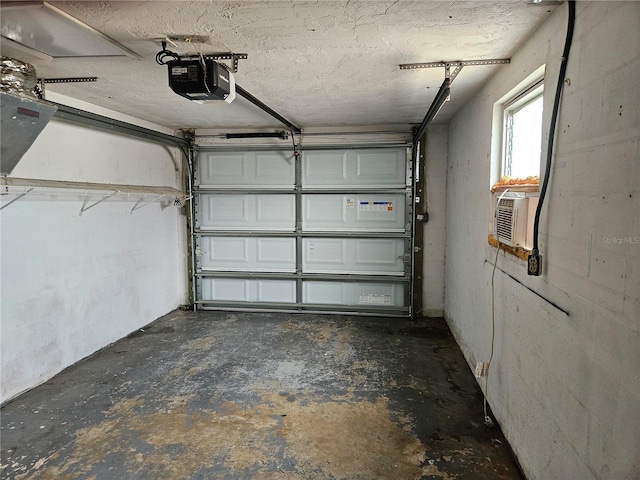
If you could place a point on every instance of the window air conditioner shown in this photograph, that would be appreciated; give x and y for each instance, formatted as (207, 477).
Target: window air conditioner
(510, 224)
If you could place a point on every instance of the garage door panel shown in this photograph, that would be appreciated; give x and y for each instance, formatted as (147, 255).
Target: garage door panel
(220, 209)
(279, 210)
(354, 293)
(380, 254)
(352, 255)
(277, 291)
(247, 291)
(328, 210)
(386, 167)
(228, 250)
(274, 168)
(369, 212)
(221, 168)
(323, 253)
(355, 168)
(246, 212)
(277, 251)
(247, 254)
(241, 169)
(324, 168)
(325, 293)
(328, 231)
(225, 289)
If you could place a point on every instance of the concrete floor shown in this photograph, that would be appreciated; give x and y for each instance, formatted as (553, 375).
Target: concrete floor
(218, 395)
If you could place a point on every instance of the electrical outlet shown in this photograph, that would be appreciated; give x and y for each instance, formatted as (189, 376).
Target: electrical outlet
(534, 265)
(482, 369)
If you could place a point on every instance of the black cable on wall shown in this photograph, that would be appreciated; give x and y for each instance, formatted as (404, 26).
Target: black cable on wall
(534, 264)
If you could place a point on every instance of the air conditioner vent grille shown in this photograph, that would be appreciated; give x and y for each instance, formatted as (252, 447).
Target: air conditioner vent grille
(511, 221)
(504, 225)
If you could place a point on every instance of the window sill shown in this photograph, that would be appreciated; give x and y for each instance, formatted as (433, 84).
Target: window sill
(527, 188)
(521, 253)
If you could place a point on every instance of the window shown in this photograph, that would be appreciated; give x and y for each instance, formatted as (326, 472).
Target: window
(516, 153)
(523, 134)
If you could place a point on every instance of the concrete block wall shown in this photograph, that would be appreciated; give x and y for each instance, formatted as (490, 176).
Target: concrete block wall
(71, 283)
(565, 388)
(435, 228)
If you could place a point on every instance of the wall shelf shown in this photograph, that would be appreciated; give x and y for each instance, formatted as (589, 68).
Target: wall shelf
(92, 193)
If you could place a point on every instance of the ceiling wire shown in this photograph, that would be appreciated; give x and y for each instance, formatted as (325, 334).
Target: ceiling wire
(161, 57)
(202, 62)
(167, 39)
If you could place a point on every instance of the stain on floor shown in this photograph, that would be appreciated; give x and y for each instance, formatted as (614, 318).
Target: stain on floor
(217, 395)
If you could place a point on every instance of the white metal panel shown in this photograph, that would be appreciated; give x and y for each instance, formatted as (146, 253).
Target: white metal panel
(266, 169)
(354, 168)
(372, 256)
(347, 191)
(366, 294)
(253, 290)
(248, 254)
(246, 212)
(357, 212)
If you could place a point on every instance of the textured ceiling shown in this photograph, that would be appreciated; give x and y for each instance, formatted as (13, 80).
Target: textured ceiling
(322, 63)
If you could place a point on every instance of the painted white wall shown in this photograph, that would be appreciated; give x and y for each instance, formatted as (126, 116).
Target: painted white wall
(435, 228)
(72, 284)
(565, 389)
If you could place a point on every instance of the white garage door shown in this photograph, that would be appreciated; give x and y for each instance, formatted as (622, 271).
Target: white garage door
(330, 231)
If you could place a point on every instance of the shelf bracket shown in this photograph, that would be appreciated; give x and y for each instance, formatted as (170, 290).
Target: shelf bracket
(16, 199)
(84, 205)
(166, 204)
(177, 201)
(141, 203)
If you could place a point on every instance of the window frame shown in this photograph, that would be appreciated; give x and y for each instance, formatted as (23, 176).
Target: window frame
(512, 106)
(528, 90)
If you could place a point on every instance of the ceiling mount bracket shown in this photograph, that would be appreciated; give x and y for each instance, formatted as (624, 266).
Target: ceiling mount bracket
(443, 93)
(456, 71)
(234, 57)
(455, 64)
(68, 80)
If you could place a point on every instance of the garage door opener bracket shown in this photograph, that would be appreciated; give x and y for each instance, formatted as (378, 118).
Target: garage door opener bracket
(443, 93)
(455, 64)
